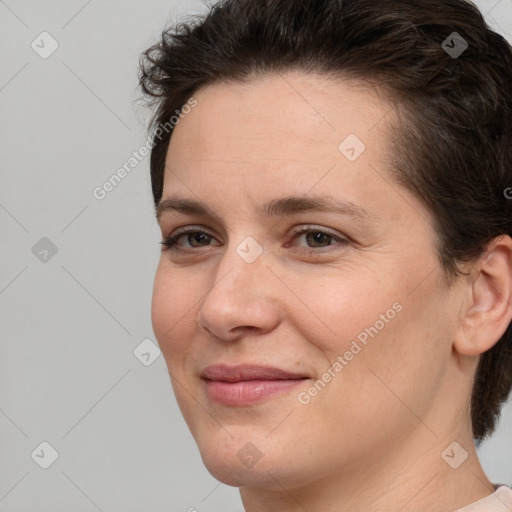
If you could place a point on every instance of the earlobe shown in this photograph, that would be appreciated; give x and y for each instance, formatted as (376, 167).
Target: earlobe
(488, 312)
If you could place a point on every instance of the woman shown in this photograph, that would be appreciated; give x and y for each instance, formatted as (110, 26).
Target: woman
(334, 294)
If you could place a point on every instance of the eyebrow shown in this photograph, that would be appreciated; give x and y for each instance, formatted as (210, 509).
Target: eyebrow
(279, 207)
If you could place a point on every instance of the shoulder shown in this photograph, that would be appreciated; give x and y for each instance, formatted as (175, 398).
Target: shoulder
(499, 501)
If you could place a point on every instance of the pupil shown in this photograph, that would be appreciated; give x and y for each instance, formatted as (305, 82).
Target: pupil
(201, 236)
(319, 237)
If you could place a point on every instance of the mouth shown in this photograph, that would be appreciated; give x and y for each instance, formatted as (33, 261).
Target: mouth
(247, 384)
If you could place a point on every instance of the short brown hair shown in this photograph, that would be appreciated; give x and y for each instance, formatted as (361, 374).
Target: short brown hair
(453, 145)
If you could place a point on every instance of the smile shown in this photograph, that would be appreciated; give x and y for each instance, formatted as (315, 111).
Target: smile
(245, 385)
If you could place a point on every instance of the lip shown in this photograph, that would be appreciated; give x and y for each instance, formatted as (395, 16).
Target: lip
(246, 384)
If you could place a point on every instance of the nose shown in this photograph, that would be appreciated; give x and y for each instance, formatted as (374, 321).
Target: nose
(242, 297)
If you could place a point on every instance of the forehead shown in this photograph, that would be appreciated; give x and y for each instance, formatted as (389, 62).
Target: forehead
(244, 145)
(278, 116)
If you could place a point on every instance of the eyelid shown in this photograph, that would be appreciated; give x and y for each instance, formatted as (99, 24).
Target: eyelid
(296, 230)
(304, 228)
(190, 229)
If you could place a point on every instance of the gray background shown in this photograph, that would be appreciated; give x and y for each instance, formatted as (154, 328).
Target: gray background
(71, 323)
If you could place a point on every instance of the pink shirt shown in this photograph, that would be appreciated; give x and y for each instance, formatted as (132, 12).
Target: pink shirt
(500, 501)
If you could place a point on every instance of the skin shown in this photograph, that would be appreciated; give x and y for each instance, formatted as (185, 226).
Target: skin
(372, 439)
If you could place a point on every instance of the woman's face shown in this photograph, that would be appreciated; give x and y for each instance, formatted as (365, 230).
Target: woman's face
(360, 312)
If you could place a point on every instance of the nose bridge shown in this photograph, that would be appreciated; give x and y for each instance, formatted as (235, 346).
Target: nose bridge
(240, 293)
(241, 267)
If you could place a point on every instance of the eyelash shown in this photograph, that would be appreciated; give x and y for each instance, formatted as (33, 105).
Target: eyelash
(170, 242)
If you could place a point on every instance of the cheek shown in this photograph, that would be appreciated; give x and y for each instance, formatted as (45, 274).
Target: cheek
(172, 316)
(380, 330)
(171, 313)
(338, 306)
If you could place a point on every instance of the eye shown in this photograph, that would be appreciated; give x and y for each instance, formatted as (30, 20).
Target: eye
(191, 234)
(320, 238)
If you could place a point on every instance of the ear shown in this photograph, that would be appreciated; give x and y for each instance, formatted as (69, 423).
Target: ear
(488, 310)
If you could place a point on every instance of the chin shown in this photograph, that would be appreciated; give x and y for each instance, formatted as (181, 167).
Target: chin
(260, 463)
(239, 460)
